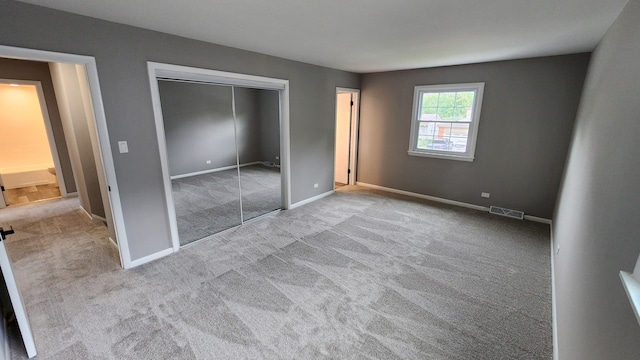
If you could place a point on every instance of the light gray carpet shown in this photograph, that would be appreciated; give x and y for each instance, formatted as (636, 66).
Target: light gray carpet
(209, 203)
(356, 275)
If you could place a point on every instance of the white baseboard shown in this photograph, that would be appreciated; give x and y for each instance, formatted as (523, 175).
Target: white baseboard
(86, 213)
(113, 243)
(427, 197)
(445, 201)
(554, 311)
(72, 194)
(209, 171)
(98, 217)
(537, 219)
(149, 258)
(310, 200)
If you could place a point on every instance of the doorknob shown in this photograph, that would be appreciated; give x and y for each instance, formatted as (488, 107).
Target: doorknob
(4, 233)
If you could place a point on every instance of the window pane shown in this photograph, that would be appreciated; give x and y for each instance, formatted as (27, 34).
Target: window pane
(447, 99)
(422, 129)
(464, 103)
(429, 114)
(459, 137)
(427, 128)
(464, 99)
(424, 142)
(446, 104)
(430, 100)
(466, 114)
(459, 145)
(460, 129)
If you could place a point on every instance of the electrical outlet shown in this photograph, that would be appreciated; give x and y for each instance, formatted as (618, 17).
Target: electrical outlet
(315, 186)
(485, 195)
(208, 161)
(277, 157)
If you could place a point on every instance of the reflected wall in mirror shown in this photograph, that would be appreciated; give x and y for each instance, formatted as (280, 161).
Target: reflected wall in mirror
(205, 142)
(201, 153)
(258, 134)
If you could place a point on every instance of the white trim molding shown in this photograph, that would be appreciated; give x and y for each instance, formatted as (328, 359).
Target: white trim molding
(554, 311)
(426, 197)
(445, 201)
(311, 199)
(152, 257)
(631, 283)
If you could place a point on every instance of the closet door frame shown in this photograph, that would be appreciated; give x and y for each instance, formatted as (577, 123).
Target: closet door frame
(161, 71)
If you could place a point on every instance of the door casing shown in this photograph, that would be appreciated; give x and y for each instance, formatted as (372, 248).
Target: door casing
(353, 141)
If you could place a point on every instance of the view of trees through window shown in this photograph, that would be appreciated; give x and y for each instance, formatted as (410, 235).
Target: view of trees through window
(444, 120)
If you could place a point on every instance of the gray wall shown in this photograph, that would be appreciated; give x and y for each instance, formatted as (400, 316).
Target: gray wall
(269, 108)
(528, 112)
(596, 221)
(39, 71)
(247, 125)
(121, 54)
(74, 116)
(198, 125)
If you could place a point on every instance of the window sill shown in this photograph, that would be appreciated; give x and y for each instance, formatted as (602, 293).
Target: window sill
(438, 155)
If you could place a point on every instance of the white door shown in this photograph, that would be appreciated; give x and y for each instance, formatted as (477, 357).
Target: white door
(16, 301)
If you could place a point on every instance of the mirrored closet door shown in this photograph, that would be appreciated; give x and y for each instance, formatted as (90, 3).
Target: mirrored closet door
(223, 147)
(258, 134)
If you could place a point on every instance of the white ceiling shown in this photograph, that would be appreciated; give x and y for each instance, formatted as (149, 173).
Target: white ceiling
(369, 36)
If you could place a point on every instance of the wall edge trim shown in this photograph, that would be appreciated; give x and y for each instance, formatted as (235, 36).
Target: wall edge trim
(149, 258)
(310, 200)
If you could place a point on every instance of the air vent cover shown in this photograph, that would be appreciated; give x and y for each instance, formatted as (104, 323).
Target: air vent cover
(516, 214)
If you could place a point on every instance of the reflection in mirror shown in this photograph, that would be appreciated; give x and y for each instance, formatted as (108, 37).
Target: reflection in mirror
(201, 153)
(258, 141)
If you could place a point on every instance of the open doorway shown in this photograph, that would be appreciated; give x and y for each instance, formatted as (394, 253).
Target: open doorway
(70, 87)
(29, 163)
(347, 105)
(84, 167)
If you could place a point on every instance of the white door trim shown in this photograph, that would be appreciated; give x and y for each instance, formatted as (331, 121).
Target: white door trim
(355, 125)
(47, 125)
(101, 123)
(170, 71)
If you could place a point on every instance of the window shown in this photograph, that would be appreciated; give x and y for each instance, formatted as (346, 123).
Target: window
(445, 120)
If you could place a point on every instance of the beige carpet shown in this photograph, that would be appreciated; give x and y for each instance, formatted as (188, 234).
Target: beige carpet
(356, 275)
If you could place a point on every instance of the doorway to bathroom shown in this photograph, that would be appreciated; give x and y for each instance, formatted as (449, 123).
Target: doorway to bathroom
(29, 164)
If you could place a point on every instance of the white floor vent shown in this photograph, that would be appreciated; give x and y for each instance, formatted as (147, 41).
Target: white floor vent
(516, 214)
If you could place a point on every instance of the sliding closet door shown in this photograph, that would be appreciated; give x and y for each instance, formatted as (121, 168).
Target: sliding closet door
(258, 141)
(201, 152)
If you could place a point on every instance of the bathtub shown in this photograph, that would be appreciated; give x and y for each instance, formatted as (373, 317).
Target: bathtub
(14, 178)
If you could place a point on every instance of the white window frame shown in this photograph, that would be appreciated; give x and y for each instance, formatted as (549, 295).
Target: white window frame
(478, 88)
